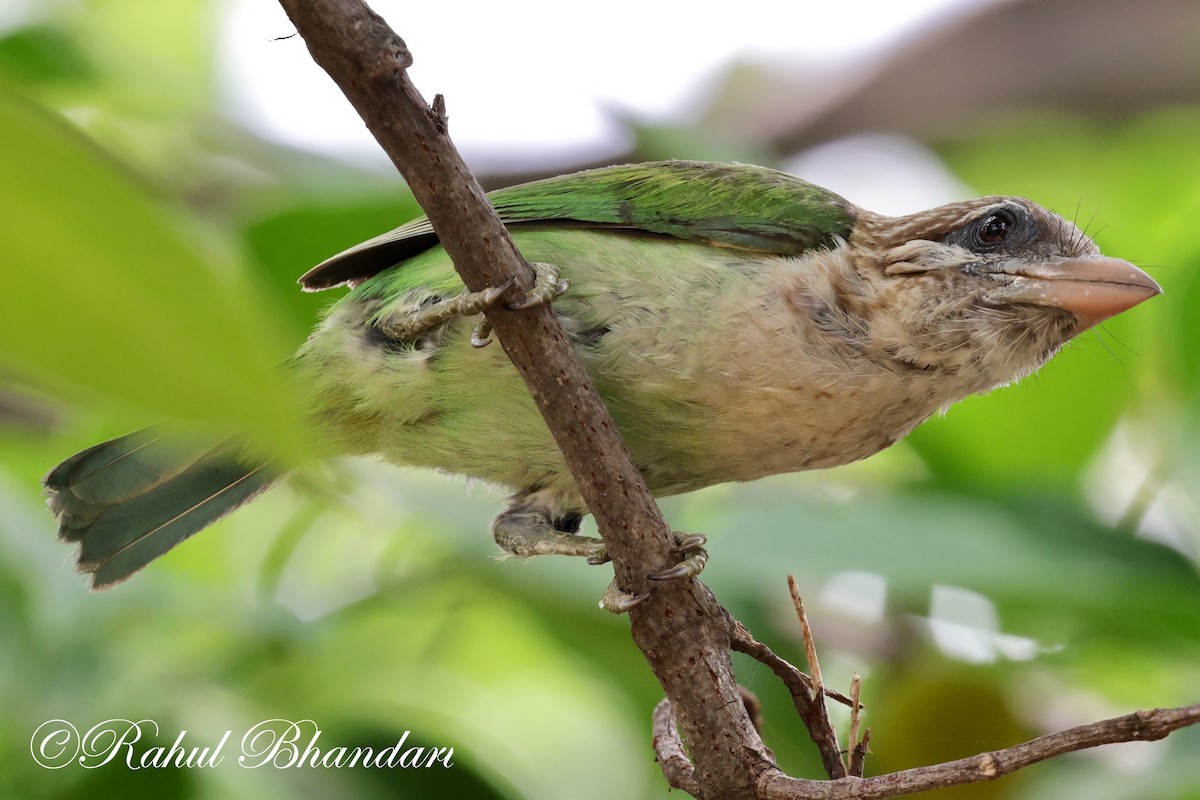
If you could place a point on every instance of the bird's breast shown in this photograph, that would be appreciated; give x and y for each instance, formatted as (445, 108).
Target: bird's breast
(789, 428)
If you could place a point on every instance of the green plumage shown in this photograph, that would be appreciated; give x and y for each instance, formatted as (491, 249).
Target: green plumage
(652, 300)
(436, 401)
(728, 205)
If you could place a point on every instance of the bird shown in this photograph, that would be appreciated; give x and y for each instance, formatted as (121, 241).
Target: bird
(737, 321)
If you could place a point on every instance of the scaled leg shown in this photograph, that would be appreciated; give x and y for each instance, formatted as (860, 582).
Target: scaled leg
(524, 531)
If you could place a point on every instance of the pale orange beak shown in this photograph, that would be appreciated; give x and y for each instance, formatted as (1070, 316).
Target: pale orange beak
(1093, 288)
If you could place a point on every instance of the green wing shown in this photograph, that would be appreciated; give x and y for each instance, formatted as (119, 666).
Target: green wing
(728, 205)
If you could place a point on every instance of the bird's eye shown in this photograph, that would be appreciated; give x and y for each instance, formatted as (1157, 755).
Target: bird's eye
(994, 228)
(1000, 229)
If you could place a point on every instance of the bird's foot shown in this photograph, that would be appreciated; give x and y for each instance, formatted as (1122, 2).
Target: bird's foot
(467, 304)
(621, 602)
(690, 546)
(547, 285)
(524, 532)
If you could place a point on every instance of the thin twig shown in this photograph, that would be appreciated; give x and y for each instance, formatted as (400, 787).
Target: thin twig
(858, 749)
(810, 706)
(810, 644)
(858, 755)
(668, 749)
(820, 727)
(856, 714)
(1138, 726)
(753, 707)
(796, 681)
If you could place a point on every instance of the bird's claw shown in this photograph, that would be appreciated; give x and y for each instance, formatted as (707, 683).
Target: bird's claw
(481, 334)
(620, 602)
(526, 531)
(692, 546)
(547, 285)
(491, 294)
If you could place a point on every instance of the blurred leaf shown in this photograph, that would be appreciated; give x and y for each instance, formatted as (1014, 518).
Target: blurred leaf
(173, 42)
(932, 718)
(104, 290)
(432, 679)
(1054, 574)
(41, 55)
(1043, 429)
(287, 241)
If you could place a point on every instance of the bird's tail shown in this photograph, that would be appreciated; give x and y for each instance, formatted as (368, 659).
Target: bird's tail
(129, 500)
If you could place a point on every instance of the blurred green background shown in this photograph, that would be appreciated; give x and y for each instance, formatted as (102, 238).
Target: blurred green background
(1026, 563)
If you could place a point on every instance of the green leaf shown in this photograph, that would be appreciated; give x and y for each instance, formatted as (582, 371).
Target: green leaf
(105, 290)
(42, 55)
(289, 240)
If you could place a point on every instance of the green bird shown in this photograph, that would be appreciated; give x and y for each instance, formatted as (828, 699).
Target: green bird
(738, 322)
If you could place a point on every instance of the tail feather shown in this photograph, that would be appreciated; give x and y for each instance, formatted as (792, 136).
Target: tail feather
(129, 500)
(117, 470)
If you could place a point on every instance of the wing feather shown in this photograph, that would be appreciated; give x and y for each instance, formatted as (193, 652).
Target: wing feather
(728, 205)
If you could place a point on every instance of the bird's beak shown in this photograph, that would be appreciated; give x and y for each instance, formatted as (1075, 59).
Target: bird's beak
(1093, 288)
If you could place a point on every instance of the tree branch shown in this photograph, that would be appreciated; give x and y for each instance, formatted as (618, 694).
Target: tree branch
(682, 630)
(1138, 726)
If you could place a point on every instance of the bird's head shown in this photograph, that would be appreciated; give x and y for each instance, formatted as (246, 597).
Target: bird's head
(989, 288)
